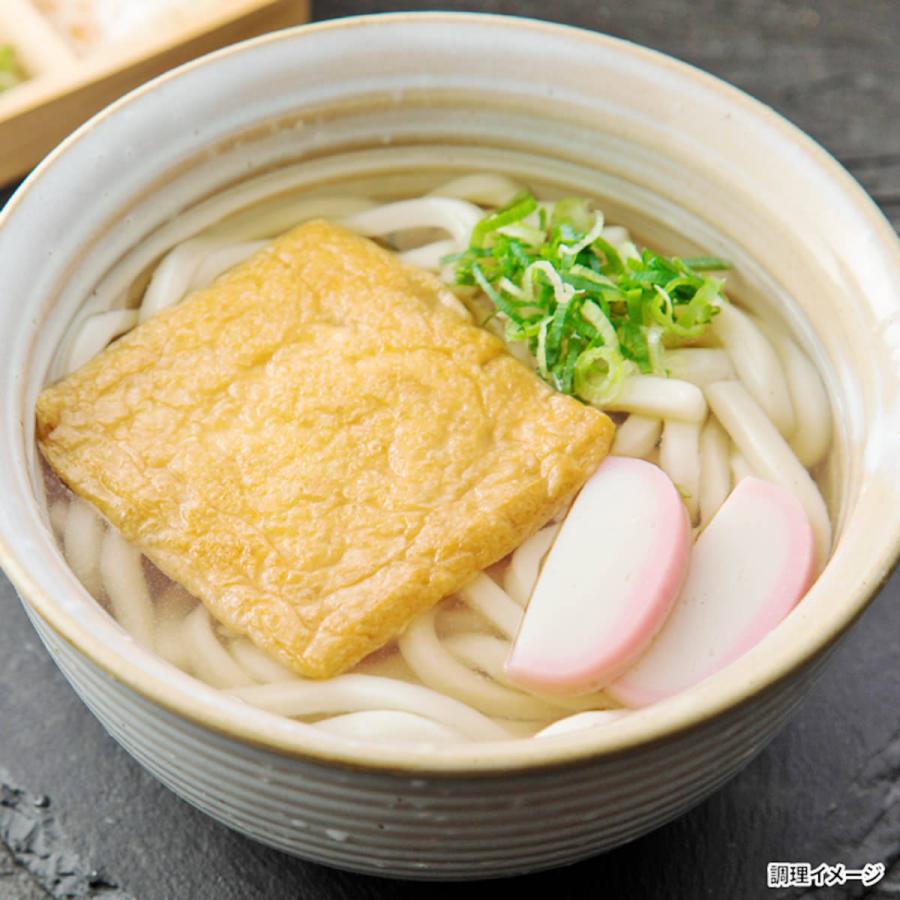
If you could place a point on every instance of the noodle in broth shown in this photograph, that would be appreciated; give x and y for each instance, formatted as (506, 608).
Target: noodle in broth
(722, 414)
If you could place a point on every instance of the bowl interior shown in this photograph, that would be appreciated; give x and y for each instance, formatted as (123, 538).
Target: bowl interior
(688, 164)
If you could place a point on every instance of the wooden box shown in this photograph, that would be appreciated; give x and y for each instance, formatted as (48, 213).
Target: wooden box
(66, 86)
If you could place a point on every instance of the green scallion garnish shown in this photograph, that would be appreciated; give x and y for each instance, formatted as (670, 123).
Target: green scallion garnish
(590, 311)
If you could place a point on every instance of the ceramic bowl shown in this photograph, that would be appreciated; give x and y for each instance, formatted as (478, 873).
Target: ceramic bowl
(685, 160)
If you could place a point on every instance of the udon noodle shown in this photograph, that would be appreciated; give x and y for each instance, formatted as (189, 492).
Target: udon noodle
(747, 401)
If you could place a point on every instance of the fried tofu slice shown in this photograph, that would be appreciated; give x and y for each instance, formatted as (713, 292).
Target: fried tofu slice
(317, 447)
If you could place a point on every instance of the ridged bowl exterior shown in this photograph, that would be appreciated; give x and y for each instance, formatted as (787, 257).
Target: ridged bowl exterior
(410, 827)
(688, 163)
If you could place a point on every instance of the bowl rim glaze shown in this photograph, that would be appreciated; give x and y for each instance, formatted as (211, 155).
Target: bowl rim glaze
(709, 700)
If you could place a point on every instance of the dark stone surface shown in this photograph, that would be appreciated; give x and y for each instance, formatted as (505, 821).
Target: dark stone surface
(826, 789)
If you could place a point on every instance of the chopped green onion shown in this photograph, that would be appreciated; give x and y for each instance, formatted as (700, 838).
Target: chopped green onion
(707, 263)
(591, 312)
(534, 237)
(613, 259)
(562, 292)
(654, 350)
(521, 207)
(573, 211)
(543, 368)
(589, 238)
(599, 373)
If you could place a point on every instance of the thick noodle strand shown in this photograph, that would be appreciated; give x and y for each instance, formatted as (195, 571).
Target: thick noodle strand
(214, 263)
(271, 219)
(483, 652)
(173, 275)
(95, 333)
(209, 659)
(455, 619)
(757, 365)
(659, 398)
(769, 455)
(679, 458)
(429, 256)
(171, 608)
(636, 436)
(257, 664)
(812, 437)
(58, 513)
(123, 578)
(715, 470)
(740, 468)
(488, 654)
(699, 365)
(485, 596)
(354, 693)
(580, 721)
(82, 543)
(389, 726)
(442, 672)
(170, 644)
(525, 564)
(454, 216)
(485, 189)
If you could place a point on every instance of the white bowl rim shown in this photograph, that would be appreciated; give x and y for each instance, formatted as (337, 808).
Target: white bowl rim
(681, 714)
